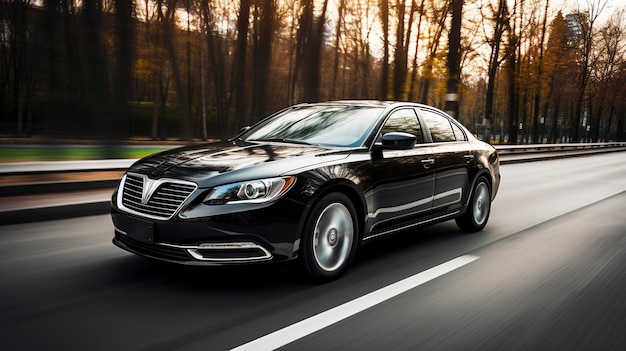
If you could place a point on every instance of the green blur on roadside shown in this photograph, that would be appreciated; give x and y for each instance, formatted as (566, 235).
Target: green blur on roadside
(72, 153)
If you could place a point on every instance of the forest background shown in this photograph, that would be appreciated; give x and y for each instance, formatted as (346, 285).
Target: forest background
(529, 71)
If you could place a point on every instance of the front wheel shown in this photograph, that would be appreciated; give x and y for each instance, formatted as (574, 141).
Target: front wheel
(475, 217)
(329, 241)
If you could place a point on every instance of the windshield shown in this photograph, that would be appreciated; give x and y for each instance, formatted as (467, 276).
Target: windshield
(343, 126)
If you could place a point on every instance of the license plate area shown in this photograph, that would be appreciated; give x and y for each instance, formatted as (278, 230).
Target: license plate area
(139, 230)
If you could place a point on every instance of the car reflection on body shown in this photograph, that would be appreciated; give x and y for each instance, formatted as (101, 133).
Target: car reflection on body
(312, 182)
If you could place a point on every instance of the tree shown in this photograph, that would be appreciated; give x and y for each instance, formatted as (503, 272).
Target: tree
(97, 90)
(309, 49)
(499, 18)
(609, 61)
(168, 20)
(587, 21)
(264, 33)
(539, 85)
(558, 65)
(454, 60)
(239, 71)
(384, 72)
(124, 18)
(437, 24)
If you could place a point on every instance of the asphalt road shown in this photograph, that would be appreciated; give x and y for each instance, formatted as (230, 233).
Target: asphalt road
(548, 272)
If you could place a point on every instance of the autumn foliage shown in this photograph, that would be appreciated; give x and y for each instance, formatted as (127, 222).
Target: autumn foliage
(189, 69)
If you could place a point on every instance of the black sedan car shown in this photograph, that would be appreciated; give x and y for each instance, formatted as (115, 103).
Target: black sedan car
(312, 181)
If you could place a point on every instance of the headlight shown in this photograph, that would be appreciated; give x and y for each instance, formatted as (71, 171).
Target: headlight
(254, 191)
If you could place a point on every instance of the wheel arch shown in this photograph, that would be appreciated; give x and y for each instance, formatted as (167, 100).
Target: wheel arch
(481, 173)
(345, 187)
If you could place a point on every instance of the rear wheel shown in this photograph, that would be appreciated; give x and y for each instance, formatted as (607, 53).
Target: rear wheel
(329, 241)
(477, 214)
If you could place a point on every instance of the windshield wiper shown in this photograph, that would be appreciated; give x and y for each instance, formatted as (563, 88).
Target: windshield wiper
(285, 140)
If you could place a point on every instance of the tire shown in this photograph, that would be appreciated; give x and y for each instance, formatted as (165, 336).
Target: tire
(330, 237)
(477, 213)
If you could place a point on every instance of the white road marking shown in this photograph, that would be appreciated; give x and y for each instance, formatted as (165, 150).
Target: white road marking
(310, 325)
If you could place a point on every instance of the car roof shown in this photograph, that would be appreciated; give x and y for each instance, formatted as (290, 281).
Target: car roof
(370, 103)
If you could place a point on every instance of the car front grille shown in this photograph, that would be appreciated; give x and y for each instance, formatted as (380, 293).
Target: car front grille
(161, 203)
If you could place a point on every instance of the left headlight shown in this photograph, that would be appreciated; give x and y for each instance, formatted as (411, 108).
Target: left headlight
(254, 191)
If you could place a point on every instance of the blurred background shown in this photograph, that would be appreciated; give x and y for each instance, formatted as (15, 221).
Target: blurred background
(109, 71)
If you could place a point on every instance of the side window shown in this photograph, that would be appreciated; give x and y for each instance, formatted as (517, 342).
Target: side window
(439, 126)
(404, 120)
(458, 133)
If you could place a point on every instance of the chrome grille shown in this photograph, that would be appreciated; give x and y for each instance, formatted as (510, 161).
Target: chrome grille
(167, 197)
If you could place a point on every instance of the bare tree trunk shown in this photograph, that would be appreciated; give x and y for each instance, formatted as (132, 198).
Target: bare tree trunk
(587, 23)
(263, 52)
(203, 94)
(454, 60)
(399, 64)
(218, 64)
(154, 130)
(513, 78)
(340, 11)
(427, 77)
(125, 57)
(98, 99)
(239, 63)
(537, 138)
(384, 72)
(494, 62)
(18, 61)
(169, 37)
(413, 78)
(310, 49)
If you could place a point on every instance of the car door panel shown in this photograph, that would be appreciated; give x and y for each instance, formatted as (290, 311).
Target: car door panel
(403, 179)
(453, 157)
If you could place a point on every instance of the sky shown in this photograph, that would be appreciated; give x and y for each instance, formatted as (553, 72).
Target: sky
(610, 7)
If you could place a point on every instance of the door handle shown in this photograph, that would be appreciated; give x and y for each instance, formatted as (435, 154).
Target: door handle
(428, 162)
(468, 158)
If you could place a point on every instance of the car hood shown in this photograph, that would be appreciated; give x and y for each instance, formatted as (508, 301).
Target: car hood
(226, 162)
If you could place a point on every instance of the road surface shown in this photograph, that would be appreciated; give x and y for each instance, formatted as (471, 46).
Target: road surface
(546, 273)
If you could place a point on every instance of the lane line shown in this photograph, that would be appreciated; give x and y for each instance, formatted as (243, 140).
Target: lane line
(322, 320)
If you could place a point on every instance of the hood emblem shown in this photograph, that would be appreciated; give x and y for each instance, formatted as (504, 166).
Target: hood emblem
(149, 187)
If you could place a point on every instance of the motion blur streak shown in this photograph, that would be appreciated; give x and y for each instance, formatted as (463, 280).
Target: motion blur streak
(324, 319)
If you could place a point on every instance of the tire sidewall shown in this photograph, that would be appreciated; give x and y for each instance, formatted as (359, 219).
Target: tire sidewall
(475, 225)
(466, 222)
(307, 255)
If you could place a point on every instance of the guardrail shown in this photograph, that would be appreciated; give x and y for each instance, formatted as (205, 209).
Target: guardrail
(37, 191)
(59, 176)
(533, 148)
(540, 152)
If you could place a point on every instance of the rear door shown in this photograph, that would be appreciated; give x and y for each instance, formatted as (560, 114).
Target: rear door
(453, 159)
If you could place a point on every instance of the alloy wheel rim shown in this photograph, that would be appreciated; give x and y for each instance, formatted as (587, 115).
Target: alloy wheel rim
(333, 237)
(481, 204)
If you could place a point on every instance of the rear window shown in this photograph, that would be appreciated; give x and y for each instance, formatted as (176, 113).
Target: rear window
(439, 126)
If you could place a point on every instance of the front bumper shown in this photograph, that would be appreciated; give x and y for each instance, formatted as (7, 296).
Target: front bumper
(203, 254)
(257, 235)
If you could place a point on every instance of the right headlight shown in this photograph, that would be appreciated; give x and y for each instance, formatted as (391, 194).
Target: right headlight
(253, 191)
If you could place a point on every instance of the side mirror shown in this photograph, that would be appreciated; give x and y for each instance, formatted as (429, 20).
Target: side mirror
(398, 141)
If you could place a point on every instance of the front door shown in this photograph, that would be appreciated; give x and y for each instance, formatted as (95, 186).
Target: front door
(403, 179)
